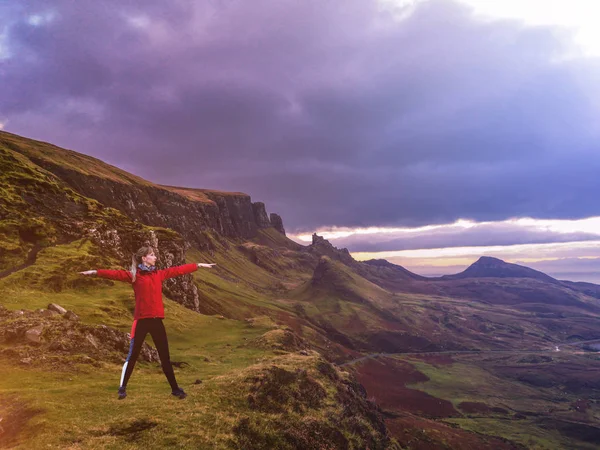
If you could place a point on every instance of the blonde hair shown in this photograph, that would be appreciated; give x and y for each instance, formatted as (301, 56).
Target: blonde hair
(137, 259)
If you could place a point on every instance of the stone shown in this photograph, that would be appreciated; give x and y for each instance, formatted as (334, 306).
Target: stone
(91, 340)
(35, 334)
(198, 381)
(70, 315)
(50, 313)
(57, 345)
(59, 309)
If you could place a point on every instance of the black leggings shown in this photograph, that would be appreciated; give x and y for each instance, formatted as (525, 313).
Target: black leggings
(139, 330)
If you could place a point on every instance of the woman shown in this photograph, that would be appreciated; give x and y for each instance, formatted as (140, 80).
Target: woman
(149, 310)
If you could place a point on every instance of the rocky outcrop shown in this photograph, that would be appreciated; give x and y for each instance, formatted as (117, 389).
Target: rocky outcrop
(277, 223)
(31, 338)
(323, 247)
(260, 215)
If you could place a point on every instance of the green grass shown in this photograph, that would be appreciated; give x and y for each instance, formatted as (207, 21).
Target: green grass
(524, 432)
(80, 407)
(466, 381)
(240, 287)
(463, 382)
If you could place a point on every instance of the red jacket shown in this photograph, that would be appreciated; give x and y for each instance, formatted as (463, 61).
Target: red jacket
(148, 287)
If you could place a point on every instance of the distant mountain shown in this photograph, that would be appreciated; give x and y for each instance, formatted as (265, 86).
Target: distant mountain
(488, 267)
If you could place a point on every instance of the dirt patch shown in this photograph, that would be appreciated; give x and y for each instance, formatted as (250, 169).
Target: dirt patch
(417, 433)
(480, 408)
(14, 415)
(385, 380)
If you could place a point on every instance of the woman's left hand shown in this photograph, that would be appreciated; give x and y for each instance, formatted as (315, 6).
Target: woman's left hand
(208, 266)
(89, 272)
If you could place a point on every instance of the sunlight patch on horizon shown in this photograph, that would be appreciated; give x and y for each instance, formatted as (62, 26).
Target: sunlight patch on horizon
(465, 255)
(341, 232)
(589, 225)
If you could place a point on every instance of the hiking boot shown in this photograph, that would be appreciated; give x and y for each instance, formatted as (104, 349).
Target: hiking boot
(179, 393)
(122, 393)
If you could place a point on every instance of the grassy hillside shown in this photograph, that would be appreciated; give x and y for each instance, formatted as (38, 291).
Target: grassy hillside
(255, 353)
(43, 151)
(252, 392)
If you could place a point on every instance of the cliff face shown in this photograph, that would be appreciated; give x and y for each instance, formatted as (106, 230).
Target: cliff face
(260, 215)
(187, 211)
(277, 223)
(229, 215)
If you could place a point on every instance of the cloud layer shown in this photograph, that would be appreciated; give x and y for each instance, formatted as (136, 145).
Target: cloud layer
(332, 113)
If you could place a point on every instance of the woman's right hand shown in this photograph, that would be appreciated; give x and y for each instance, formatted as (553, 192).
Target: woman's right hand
(89, 272)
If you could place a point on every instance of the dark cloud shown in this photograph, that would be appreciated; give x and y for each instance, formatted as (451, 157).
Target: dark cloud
(332, 113)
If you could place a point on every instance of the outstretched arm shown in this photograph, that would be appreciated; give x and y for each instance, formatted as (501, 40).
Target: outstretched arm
(117, 275)
(182, 270)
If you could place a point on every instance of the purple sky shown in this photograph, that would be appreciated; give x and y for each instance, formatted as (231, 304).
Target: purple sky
(334, 113)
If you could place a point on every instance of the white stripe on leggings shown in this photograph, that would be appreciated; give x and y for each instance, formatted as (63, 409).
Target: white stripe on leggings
(123, 373)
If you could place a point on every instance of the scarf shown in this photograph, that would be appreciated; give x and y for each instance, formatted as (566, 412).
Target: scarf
(143, 267)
